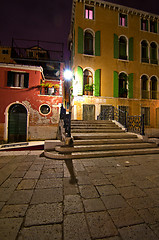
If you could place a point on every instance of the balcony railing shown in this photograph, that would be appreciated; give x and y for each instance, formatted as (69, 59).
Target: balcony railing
(150, 94)
(145, 60)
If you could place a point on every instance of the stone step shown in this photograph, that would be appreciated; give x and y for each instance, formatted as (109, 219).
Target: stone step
(95, 127)
(98, 130)
(106, 141)
(82, 136)
(92, 122)
(112, 153)
(108, 147)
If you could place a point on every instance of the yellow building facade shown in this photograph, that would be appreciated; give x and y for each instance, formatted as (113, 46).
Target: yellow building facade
(115, 53)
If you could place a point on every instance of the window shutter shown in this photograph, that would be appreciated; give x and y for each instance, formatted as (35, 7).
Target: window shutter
(80, 80)
(116, 46)
(155, 27)
(97, 43)
(130, 85)
(116, 84)
(126, 20)
(131, 48)
(10, 79)
(26, 80)
(80, 40)
(147, 26)
(97, 82)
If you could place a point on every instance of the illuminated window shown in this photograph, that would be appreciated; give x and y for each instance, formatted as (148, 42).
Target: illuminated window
(122, 20)
(144, 24)
(89, 12)
(19, 80)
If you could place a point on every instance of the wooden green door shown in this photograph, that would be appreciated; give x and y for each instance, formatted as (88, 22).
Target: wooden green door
(17, 123)
(88, 112)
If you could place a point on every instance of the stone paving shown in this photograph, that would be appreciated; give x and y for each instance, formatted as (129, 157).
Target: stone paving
(115, 198)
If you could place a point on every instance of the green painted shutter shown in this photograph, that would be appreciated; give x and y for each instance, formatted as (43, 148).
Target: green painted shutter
(26, 80)
(126, 20)
(116, 46)
(130, 85)
(131, 47)
(147, 26)
(80, 40)
(10, 79)
(97, 82)
(80, 80)
(155, 27)
(97, 43)
(116, 84)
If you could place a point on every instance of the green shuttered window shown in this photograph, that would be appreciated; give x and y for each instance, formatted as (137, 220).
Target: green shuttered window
(97, 82)
(85, 42)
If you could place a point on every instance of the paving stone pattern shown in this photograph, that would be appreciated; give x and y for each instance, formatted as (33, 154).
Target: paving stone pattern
(114, 198)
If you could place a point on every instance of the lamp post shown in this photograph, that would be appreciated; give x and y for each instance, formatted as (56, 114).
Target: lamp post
(68, 77)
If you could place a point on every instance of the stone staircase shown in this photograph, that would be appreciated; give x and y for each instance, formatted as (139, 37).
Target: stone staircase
(92, 139)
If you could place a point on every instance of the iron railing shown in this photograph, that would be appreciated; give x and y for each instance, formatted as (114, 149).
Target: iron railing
(112, 113)
(136, 124)
(131, 123)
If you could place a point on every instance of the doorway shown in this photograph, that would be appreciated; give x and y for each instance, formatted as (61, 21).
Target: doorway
(88, 112)
(17, 123)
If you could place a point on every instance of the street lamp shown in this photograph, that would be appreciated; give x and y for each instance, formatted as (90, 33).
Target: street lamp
(68, 75)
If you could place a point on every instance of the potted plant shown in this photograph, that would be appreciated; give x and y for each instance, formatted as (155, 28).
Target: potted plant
(88, 89)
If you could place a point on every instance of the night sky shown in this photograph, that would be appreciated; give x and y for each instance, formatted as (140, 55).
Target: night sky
(48, 20)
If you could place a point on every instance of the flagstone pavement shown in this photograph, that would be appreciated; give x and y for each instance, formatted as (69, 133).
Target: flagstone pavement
(115, 198)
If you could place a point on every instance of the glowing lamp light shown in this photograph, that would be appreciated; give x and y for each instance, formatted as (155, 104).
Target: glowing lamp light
(68, 74)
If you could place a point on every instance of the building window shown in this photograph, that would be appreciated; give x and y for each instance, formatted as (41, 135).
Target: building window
(88, 43)
(144, 87)
(144, 52)
(153, 53)
(153, 87)
(45, 109)
(122, 48)
(153, 26)
(18, 80)
(89, 12)
(4, 51)
(144, 24)
(88, 82)
(123, 85)
(146, 112)
(123, 20)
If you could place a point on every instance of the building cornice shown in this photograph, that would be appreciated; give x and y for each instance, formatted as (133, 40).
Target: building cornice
(115, 7)
(22, 67)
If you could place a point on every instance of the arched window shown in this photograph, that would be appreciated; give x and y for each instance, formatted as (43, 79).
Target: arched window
(87, 82)
(144, 52)
(123, 85)
(153, 87)
(153, 53)
(122, 48)
(144, 87)
(88, 43)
